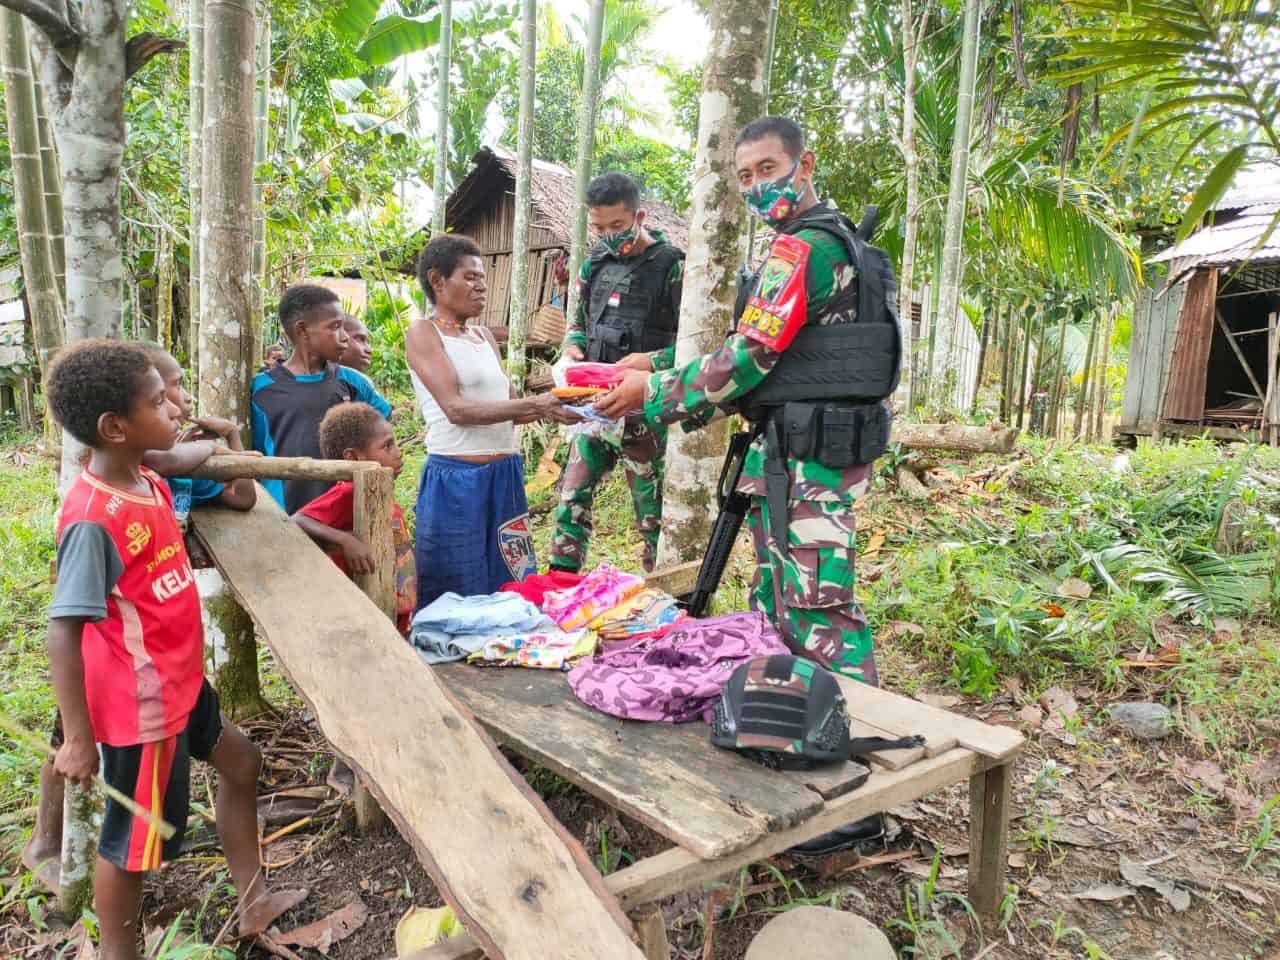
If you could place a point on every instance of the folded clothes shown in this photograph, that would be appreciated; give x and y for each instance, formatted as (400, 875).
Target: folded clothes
(603, 588)
(639, 614)
(533, 588)
(546, 650)
(594, 375)
(451, 626)
(676, 676)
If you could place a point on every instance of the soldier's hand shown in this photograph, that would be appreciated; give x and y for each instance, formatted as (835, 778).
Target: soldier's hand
(626, 397)
(574, 352)
(637, 361)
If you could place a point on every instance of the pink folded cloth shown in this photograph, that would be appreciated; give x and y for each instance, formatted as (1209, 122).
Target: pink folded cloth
(603, 588)
(677, 676)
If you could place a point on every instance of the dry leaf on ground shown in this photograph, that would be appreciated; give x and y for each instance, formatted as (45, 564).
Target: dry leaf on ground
(1075, 589)
(328, 930)
(1136, 874)
(1106, 892)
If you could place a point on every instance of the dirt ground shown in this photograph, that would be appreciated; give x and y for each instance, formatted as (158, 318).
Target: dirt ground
(1105, 860)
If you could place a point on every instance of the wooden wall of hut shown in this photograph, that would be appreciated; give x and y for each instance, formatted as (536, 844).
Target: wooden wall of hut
(493, 233)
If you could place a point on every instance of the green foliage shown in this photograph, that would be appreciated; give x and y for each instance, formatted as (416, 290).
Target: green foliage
(387, 319)
(1212, 67)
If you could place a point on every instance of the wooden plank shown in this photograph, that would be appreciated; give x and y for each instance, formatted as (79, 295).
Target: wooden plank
(989, 793)
(1189, 366)
(374, 500)
(677, 580)
(1239, 355)
(240, 466)
(1163, 359)
(1131, 405)
(941, 729)
(667, 776)
(652, 931)
(676, 870)
(512, 874)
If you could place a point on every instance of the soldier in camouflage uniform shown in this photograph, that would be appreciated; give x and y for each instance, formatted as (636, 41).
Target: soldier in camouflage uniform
(628, 302)
(808, 593)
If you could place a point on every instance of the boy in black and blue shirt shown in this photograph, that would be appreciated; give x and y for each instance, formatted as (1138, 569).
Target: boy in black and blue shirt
(291, 398)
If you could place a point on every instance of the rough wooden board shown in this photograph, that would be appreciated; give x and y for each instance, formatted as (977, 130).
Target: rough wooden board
(677, 580)
(989, 796)
(941, 729)
(667, 776)
(676, 870)
(509, 871)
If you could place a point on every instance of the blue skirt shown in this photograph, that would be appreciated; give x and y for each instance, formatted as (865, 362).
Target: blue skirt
(472, 530)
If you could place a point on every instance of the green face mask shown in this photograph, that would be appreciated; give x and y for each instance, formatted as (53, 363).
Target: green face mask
(621, 244)
(774, 201)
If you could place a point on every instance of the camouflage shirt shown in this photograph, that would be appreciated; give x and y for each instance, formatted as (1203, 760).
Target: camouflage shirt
(576, 335)
(693, 391)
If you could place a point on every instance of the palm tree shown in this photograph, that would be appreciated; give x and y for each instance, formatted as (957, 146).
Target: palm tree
(1211, 65)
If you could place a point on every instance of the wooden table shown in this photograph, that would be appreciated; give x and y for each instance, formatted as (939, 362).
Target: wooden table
(723, 811)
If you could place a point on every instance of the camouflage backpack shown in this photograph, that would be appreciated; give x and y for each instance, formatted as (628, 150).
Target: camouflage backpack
(787, 712)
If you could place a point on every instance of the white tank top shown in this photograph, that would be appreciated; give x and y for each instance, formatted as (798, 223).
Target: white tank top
(480, 377)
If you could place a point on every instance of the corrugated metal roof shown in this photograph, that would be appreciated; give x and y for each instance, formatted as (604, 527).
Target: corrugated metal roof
(1230, 243)
(1259, 183)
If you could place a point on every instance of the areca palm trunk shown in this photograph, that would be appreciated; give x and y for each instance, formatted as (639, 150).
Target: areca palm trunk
(911, 163)
(953, 234)
(195, 174)
(586, 149)
(261, 126)
(732, 96)
(51, 174)
(38, 273)
(518, 322)
(438, 184)
(1101, 389)
(1083, 396)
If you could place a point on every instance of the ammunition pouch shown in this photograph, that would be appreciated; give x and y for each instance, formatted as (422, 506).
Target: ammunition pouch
(836, 435)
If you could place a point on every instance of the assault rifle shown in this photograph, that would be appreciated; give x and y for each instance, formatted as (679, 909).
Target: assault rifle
(733, 509)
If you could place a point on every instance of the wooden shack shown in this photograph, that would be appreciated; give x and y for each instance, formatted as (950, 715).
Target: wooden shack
(483, 207)
(17, 357)
(1205, 348)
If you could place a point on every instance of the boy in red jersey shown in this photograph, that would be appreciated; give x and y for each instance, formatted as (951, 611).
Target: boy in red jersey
(126, 646)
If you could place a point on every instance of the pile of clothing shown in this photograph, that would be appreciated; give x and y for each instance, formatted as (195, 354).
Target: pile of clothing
(629, 650)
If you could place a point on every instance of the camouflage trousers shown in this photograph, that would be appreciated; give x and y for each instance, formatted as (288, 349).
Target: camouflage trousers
(809, 594)
(590, 460)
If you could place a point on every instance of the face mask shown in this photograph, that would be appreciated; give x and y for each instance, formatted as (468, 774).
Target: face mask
(774, 201)
(621, 244)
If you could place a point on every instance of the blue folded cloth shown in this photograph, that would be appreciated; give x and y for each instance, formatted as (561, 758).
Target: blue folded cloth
(451, 627)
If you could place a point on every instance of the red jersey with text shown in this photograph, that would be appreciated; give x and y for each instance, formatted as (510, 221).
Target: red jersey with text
(122, 567)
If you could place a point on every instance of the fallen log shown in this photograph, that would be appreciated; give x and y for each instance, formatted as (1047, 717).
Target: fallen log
(954, 436)
(910, 484)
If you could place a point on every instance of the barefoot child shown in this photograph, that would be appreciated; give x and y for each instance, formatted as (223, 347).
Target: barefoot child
(356, 431)
(126, 647)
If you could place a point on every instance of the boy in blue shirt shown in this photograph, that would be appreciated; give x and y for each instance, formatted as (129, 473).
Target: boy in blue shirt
(291, 398)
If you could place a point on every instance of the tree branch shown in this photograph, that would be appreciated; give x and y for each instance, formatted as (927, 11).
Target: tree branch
(62, 33)
(140, 48)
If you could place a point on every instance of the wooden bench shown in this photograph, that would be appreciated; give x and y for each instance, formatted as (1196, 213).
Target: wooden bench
(722, 811)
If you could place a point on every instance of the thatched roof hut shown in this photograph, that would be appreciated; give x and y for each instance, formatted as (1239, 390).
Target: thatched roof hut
(482, 207)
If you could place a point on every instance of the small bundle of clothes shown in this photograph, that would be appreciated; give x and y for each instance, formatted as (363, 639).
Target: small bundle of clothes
(503, 629)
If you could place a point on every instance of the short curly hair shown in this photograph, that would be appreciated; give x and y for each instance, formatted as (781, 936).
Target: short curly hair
(298, 301)
(443, 254)
(93, 377)
(347, 426)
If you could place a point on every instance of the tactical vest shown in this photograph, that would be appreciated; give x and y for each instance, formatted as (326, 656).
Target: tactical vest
(627, 311)
(852, 351)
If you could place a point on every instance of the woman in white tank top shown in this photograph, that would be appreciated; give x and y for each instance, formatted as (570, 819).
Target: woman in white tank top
(472, 526)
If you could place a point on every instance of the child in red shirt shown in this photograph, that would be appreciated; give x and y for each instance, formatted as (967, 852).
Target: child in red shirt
(126, 646)
(356, 431)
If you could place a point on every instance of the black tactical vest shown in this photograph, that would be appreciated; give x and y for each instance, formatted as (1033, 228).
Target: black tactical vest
(627, 311)
(852, 351)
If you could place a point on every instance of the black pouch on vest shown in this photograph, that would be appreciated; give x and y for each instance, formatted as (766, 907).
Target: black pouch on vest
(607, 344)
(873, 431)
(800, 427)
(838, 442)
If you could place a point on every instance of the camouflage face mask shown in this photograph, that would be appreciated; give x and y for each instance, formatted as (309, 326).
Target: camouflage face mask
(775, 200)
(621, 244)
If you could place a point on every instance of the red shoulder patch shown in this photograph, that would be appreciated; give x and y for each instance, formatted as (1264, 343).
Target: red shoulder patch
(779, 305)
